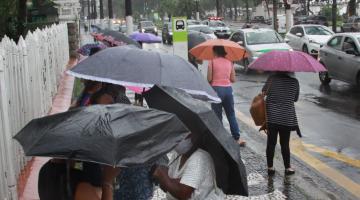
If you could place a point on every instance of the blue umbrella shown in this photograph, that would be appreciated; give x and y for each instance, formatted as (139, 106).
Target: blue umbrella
(145, 38)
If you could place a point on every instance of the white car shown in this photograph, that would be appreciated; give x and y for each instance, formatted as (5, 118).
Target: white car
(203, 29)
(308, 37)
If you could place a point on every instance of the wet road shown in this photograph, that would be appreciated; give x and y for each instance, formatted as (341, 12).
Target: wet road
(329, 118)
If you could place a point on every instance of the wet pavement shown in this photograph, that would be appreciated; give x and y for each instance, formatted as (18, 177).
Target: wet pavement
(327, 158)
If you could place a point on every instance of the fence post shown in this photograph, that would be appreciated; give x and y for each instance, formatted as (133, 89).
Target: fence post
(10, 175)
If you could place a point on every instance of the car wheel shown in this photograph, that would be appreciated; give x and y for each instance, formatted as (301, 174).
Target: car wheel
(324, 78)
(305, 49)
(246, 65)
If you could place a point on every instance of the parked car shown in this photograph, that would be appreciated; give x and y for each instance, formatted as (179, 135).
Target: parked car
(351, 25)
(341, 57)
(299, 19)
(167, 33)
(308, 38)
(123, 29)
(257, 41)
(258, 19)
(147, 27)
(193, 22)
(315, 19)
(219, 27)
(203, 29)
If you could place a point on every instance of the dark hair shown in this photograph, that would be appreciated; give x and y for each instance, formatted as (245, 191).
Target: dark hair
(94, 50)
(96, 96)
(114, 90)
(219, 51)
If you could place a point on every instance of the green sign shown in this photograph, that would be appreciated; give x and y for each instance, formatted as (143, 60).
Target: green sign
(179, 27)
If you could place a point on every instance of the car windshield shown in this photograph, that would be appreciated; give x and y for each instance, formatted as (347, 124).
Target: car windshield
(317, 30)
(263, 37)
(147, 24)
(203, 29)
(217, 24)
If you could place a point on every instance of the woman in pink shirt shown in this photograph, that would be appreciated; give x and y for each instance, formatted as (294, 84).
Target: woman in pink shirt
(221, 74)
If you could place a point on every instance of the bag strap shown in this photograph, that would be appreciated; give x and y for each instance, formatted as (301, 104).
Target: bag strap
(268, 88)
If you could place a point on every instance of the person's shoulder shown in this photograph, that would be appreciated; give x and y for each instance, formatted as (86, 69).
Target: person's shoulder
(201, 154)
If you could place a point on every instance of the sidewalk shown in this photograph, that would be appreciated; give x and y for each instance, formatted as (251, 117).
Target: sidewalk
(61, 103)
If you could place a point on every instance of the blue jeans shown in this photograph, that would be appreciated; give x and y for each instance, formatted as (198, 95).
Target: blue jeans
(227, 102)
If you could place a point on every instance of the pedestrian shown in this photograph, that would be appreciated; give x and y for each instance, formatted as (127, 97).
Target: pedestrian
(190, 174)
(118, 92)
(282, 90)
(221, 74)
(90, 87)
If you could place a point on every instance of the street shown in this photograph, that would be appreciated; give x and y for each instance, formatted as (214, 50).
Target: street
(329, 121)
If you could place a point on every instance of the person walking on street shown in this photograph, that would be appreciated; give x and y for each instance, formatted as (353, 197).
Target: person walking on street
(221, 74)
(282, 90)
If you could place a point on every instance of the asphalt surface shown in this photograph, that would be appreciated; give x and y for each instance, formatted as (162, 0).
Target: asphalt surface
(329, 120)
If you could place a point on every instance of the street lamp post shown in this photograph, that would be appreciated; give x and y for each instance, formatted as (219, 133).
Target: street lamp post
(197, 10)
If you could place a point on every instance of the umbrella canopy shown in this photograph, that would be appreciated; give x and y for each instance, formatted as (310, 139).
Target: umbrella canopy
(200, 119)
(117, 36)
(145, 37)
(204, 51)
(195, 38)
(85, 49)
(289, 61)
(138, 68)
(117, 135)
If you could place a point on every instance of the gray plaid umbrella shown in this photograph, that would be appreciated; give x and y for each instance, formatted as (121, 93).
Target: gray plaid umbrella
(138, 68)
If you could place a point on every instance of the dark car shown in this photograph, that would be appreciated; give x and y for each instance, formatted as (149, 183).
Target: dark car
(258, 19)
(315, 19)
(167, 33)
(351, 25)
(147, 27)
(299, 19)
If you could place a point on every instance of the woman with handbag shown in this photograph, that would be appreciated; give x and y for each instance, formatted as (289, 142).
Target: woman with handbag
(282, 90)
(221, 74)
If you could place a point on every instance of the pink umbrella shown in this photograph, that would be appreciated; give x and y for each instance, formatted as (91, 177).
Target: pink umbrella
(289, 61)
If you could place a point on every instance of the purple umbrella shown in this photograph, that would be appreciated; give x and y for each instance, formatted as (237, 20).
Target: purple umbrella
(145, 37)
(289, 61)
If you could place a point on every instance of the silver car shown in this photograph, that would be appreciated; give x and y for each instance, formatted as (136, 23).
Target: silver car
(257, 41)
(341, 57)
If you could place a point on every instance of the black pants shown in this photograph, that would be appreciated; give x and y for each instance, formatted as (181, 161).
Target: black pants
(284, 132)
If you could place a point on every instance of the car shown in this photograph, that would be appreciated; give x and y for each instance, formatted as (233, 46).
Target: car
(299, 19)
(167, 33)
(219, 27)
(193, 22)
(123, 29)
(351, 25)
(258, 19)
(315, 19)
(257, 41)
(203, 29)
(147, 27)
(308, 38)
(341, 57)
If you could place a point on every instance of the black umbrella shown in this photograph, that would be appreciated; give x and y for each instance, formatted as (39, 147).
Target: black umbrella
(138, 68)
(117, 135)
(120, 37)
(200, 119)
(195, 38)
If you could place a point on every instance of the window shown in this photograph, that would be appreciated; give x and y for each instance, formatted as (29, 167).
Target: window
(357, 20)
(263, 37)
(349, 44)
(335, 42)
(317, 30)
(237, 37)
(294, 30)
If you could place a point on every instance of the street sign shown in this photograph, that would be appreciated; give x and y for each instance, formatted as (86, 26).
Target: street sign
(180, 39)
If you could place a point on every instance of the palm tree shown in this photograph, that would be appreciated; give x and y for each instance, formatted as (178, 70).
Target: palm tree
(352, 8)
(275, 5)
(218, 8)
(101, 9)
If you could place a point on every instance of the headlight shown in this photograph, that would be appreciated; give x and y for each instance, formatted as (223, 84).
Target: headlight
(143, 30)
(155, 29)
(291, 49)
(256, 53)
(314, 42)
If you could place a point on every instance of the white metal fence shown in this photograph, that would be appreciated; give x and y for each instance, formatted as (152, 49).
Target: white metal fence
(29, 75)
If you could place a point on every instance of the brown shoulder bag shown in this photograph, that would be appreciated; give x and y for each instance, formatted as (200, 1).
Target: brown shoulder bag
(258, 109)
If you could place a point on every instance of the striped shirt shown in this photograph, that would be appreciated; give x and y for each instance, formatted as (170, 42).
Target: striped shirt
(283, 92)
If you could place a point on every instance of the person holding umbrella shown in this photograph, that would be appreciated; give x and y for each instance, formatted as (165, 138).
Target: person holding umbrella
(282, 91)
(190, 174)
(221, 74)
